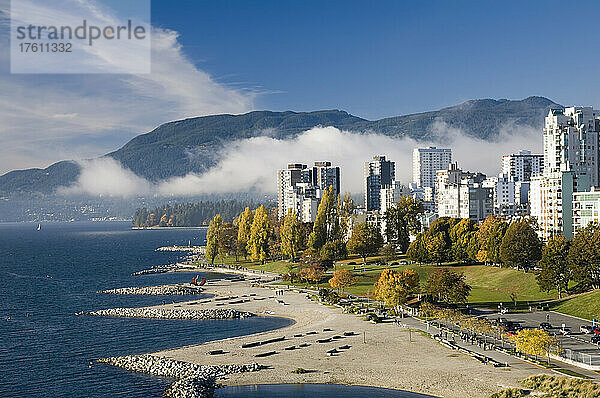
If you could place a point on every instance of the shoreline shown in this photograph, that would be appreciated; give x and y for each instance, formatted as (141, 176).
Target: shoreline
(374, 355)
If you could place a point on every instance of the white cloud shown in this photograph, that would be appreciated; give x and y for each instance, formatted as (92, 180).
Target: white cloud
(106, 177)
(43, 114)
(251, 164)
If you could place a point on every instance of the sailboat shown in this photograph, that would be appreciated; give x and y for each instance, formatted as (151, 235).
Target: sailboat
(39, 227)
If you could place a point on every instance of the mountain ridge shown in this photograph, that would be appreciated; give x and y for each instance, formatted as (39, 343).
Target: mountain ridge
(179, 147)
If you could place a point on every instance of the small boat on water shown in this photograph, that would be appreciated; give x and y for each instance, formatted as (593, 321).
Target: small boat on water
(39, 227)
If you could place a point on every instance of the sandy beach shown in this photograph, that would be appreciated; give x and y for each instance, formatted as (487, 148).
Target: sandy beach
(379, 355)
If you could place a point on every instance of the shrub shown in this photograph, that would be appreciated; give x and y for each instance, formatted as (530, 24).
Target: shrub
(510, 393)
(299, 371)
(559, 386)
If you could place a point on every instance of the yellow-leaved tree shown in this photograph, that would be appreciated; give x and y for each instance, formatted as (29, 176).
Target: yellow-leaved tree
(342, 278)
(395, 288)
(258, 244)
(535, 342)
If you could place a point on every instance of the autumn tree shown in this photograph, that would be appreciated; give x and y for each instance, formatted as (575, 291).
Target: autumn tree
(341, 279)
(258, 244)
(554, 270)
(584, 256)
(448, 286)
(490, 236)
(311, 274)
(402, 220)
(365, 240)
(535, 342)
(395, 288)
(213, 238)
(292, 234)
(244, 225)
(327, 223)
(520, 245)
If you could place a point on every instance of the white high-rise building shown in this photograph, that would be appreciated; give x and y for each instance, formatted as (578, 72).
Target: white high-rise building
(570, 165)
(426, 163)
(300, 188)
(503, 188)
(523, 165)
(571, 142)
(462, 194)
(586, 209)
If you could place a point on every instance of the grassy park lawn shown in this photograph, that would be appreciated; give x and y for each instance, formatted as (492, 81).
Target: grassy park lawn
(489, 284)
(585, 306)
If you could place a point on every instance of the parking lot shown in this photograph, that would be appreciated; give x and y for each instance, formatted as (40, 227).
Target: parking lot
(574, 340)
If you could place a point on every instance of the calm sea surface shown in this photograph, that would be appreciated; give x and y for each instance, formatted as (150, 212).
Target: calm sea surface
(47, 276)
(52, 273)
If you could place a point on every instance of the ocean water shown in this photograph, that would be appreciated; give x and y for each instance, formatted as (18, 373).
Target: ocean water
(47, 276)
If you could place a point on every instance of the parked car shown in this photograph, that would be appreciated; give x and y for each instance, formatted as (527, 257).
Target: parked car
(586, 329)
(597, 330)
(403, 262)
(596, 339)
(545, 326)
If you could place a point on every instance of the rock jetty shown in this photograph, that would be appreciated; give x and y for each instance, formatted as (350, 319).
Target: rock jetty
(194, 381)
(183, 289)
(169, 313)
(159, 269)
(191, 249)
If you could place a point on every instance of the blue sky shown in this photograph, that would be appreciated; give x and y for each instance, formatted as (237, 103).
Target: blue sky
(377, 59)
(372, 59)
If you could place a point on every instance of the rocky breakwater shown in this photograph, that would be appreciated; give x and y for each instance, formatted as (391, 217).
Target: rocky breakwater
(171, 313)
(184, 289)
(194, 381)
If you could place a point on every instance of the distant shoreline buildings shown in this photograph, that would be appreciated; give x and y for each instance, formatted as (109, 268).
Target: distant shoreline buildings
(559, 188)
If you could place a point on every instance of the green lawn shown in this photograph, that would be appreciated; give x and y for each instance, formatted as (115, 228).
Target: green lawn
(279, 267)
(489, 284)
(585, 306)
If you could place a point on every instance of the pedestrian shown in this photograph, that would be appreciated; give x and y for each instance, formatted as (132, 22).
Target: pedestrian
(547, 317)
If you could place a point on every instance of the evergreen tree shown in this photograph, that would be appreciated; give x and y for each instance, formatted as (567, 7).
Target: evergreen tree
(244, 226)
(258, 244)
(584, 256)
(520, 245)
(213, 238)
(555, 272)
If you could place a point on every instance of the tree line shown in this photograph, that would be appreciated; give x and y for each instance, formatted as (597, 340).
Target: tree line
(331, 237)
(188, 214)
(557, 263)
